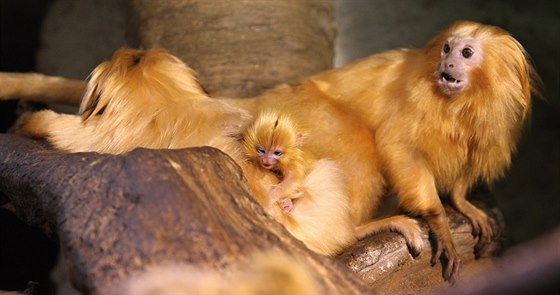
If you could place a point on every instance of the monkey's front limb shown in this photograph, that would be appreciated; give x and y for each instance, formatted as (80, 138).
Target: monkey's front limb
(415, 187)
(439, 225)
(38, 87)
(288, 187)
(287, 204)
(483, 226)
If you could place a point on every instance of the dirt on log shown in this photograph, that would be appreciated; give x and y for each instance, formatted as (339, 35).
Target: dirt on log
(117, 215)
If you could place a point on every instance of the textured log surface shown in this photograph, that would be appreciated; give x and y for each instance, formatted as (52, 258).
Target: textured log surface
(116, 215)
(387, 266)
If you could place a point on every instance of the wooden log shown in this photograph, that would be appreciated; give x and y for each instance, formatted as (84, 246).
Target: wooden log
(117, 215)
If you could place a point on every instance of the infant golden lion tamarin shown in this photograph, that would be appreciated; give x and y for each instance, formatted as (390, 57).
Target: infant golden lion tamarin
(274, 142)
(307, 196)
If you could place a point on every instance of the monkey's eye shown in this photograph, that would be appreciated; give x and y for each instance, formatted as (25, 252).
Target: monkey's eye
(278, 153)
(446, 48)
(260, 150)
(467, 52)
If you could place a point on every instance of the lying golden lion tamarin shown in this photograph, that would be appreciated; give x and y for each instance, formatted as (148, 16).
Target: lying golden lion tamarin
(430, 121)
(139, 99)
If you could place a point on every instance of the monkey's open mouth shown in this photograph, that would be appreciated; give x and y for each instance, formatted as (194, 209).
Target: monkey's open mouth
(447, 77)
(450, 85)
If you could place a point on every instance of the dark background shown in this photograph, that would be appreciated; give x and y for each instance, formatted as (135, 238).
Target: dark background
(70, 37)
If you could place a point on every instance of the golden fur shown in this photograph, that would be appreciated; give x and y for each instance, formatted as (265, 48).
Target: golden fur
(383, 120)
(431, 142)
(140, 99)
(316, 188)
(151, 99)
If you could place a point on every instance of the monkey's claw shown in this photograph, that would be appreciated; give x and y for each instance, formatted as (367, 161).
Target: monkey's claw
(484, 230)
(451, 268)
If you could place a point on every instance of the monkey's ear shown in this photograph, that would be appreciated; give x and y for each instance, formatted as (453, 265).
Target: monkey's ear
(299, 139)
(89, 102)
(96, 96)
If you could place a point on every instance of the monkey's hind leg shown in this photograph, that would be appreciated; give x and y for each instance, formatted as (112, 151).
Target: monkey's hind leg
(406, 226)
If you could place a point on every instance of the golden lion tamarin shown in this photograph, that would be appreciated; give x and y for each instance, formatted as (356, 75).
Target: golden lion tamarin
(274, 142)
(307, 196)
(442, 119)
(140, 99)
(445, 117)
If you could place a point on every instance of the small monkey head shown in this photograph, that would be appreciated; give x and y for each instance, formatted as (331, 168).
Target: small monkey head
(458, 56)
(138, 77)
(458, 52)
(273, 140)
(472, 58)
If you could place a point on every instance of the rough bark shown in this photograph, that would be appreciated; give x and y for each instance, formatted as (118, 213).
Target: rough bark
(116, 215)
(239, 48)
(384, 261)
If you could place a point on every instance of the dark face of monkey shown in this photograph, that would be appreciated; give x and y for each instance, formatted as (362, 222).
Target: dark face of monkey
(458, 56)
(269, 157)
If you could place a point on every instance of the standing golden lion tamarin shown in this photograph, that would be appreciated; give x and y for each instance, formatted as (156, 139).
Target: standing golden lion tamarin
(445, 117)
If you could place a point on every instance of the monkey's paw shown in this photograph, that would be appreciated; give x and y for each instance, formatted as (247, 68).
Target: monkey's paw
(287, 205)
(413, 235)
(406, 226)
(451, 268)
(484, 228)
